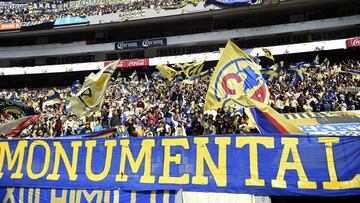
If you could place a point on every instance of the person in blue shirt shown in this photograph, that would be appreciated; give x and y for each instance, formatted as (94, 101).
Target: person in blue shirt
(98, 126)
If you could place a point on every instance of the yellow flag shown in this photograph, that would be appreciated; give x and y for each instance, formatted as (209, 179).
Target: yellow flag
(167, 72)
(221, 50)
(237, 81)
(268, 54)
(91, 96)
(133, 76)
(191, 69)
(235, 75)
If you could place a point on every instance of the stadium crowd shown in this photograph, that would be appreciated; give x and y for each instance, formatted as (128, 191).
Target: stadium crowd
(11, 13)
(331, 89)
(153, 107)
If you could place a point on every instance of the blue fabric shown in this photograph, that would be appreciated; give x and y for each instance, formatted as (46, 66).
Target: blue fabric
(55, 95)
(168, 120)
(47, 195)
(75, 87)
(297, 70)
(313, 155)
(108, 132)
(266, 126)
(132, 98)
(13, 97)
(156, 75)
(178, 78)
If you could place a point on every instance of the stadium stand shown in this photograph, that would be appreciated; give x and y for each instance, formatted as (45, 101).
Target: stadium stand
(61, 86)
(49, 11)
(154, 107)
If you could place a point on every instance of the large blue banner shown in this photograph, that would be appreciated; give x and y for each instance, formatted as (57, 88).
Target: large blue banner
(253, 164)
(73, 20)
(63, 195)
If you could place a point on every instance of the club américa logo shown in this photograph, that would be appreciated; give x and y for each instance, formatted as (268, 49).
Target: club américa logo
(237, 78)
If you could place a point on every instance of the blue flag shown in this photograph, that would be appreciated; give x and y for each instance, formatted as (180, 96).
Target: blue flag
(75, 87)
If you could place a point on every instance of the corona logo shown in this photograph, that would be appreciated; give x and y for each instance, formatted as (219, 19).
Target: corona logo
(238, 78)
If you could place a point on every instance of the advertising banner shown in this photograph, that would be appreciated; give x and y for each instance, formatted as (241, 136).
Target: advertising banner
(137, 44)
(10, 26)
(353, 42)
(249, 164)
(127, 63)
(71, 21)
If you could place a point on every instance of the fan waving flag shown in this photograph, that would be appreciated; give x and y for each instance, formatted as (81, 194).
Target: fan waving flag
(237, 81)
(11, 110)
(235, 75)
(13, 128)
(53, 97)
(167, 72)
(15, 116)
(268, 54)
(191, 69)
(272, 74)
(91, 96)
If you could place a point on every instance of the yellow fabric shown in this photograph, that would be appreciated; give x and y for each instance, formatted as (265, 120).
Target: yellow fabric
(91, 96)
(216, 96)
(250, 121)
(268, 54)
(191, 69)
(52, 101)
(167, 72)
(221, 50)
(287, 124)
(274, 74)
(236, 65)
(133, 76)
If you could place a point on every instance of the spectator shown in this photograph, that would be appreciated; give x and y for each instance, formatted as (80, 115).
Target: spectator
(98, 127)
(175, 109)
(87, 128)
(12, 12)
